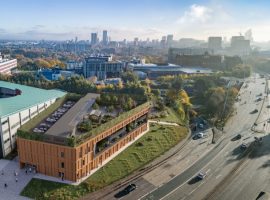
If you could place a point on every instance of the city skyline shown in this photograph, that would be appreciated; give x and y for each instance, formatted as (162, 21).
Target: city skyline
(144, 19)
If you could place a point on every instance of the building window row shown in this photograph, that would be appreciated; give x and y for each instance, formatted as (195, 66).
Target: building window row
(5, 131)
(4, 122)
(6, 141)
(15, 125)
(25, 118)
(33, 113)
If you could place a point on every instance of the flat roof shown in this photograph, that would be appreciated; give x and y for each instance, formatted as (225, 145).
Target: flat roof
(66, 124)
(29, 97)
(172, 68)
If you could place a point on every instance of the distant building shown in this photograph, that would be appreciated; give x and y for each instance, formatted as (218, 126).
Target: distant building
(102, 67)
(136, 41)
(215, 43)
(240, 46)
(174, 52)
(56, 74)
(163, 41)
(76, 66)
(94, 38)
(7, 65)
(153, 71)
(169, 40)
(19, 104)
(105, 37)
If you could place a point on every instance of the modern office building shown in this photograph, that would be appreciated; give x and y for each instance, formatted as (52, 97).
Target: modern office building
(7, 65)
(215, 44)
(66, 153)
(19, 104)
(102, 67)
(105, 37)
(76, 66)
(94, 38)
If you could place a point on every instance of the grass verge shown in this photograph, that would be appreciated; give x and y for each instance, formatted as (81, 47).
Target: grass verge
(172, 116)
(158, 140)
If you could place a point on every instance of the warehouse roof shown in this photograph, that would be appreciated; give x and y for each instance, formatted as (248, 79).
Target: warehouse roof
(28, 97)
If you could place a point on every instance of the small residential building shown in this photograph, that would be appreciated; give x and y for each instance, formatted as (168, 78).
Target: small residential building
(18, 105)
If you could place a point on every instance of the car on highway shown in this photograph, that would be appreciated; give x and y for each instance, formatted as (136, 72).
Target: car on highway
(237, 137)
(258, 99)
(198, 136)
(244, 146)
(254, 111)
(131, 187)
(258, 140)
(201, 175)
(268, 106)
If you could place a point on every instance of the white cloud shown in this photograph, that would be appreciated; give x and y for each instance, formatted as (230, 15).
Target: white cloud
(196, 13)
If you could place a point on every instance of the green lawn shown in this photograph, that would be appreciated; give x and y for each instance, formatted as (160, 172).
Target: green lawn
(171, 117)
(159, 139)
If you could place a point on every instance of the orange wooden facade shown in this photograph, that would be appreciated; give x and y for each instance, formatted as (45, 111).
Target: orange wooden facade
(74, 163)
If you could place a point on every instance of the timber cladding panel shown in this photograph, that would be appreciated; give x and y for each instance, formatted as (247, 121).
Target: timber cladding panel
(47, 157)
(75, 162)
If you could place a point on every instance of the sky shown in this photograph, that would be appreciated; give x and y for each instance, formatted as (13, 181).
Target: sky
(126, 19)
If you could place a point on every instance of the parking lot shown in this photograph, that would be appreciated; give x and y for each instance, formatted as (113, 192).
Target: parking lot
(54, 117)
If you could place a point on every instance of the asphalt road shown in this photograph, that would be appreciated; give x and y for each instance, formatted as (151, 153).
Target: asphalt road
(225, 158)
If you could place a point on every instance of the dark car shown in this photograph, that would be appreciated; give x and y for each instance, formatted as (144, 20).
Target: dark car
(126, 190)
(254, 111)
(244, 146)
(237, 137)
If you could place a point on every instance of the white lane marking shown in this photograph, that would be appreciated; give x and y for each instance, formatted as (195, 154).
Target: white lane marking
(192, 176)
(218, 176)
(208, 171)
(195, 189)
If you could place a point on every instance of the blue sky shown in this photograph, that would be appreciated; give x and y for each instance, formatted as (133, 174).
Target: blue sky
(65, 19)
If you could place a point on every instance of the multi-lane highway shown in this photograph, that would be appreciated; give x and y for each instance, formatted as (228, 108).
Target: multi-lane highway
(230, 173)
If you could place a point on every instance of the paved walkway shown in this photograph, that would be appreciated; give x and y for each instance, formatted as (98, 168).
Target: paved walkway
(13, 189)
(164, 123)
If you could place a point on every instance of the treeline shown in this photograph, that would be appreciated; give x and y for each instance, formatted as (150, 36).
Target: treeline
(216, 100)
(79, 85)
(26, 63)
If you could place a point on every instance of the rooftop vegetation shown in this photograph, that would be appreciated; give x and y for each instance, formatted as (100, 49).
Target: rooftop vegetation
(26, 130)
